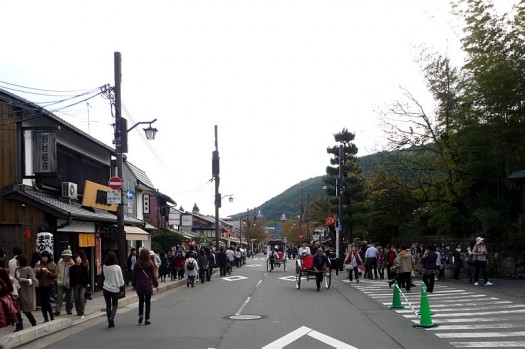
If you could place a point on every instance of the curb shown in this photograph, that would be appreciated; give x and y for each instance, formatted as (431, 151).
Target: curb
(30, 334)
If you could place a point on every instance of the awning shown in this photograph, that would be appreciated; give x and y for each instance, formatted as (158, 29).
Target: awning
(135, 233)
(77, 227)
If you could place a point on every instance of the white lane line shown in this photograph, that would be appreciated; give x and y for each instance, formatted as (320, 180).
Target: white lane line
(430, 295)
(461, 304)
(242, 306)
(448, 298)
(330, 341)
(471, 314)
(468, 320)
(510, 306)
(258, 283)
(287, 339)
(507, 344)
(476, 327)
(480, 334)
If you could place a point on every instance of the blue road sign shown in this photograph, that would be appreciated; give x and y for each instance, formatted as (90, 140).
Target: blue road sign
(277, 228)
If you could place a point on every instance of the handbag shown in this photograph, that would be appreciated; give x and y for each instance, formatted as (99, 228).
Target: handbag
(348, 266)
(122, 292)
(88, 294)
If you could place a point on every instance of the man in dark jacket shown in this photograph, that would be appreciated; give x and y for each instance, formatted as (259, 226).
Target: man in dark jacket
(429, 268)
(319, 263)
(221, 261)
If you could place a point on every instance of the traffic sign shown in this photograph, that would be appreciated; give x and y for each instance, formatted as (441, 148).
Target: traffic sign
(114, 197)
(115, 183)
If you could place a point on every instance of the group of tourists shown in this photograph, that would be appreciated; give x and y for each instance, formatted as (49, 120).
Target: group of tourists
(29, 284)
(26, 285)
(403, 263)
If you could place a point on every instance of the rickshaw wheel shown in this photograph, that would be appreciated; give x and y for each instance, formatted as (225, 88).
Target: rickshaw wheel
(298, 277)
(328, 278)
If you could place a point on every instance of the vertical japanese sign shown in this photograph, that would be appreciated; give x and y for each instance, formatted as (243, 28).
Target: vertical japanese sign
(146, 203)
(98, 255)
(45, 152)
(44, 242)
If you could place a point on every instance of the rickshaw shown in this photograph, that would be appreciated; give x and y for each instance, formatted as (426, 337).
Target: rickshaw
(280, 258)
(304, 267)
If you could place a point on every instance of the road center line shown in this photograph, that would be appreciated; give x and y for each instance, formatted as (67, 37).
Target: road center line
(242, 306)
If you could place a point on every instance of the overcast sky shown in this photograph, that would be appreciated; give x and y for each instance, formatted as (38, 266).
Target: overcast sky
(278, 78)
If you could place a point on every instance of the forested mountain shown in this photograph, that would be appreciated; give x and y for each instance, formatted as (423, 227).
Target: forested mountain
(289, 201)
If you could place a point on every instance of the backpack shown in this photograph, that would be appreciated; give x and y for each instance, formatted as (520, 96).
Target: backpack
(190, 265)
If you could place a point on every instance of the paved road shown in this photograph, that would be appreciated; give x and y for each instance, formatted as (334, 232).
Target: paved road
(466, 316)
(345, 316)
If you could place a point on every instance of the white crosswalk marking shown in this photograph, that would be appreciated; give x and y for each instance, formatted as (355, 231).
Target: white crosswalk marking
(469, 318)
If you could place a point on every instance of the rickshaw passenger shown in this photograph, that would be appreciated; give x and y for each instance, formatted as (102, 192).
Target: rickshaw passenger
(319, 262)
(303, 250)
(314, 247)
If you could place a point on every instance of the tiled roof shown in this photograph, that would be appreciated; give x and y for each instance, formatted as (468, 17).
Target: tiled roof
(73, 209)
(76, 210)
(140, 175)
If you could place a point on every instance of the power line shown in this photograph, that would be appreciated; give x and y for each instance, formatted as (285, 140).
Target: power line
(40, 89)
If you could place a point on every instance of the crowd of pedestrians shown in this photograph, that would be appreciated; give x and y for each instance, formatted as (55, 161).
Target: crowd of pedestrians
(403, 263)
(29, 285)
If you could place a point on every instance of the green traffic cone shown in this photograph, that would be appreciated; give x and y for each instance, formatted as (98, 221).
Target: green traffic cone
(423, 294)
(396, 298)
(425, 318)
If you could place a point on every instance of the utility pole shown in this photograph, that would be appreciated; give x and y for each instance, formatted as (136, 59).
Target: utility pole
(340, 214)
(215, 173)
(307, 220)
(301, 211)
(121, 147)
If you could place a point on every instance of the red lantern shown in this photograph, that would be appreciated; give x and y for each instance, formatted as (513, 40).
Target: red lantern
(27, 233)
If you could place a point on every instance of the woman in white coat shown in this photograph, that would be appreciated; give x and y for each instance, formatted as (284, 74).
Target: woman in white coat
(352, 262)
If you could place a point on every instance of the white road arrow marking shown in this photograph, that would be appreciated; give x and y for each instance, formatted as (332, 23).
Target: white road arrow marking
(305, 331)
(234, 278)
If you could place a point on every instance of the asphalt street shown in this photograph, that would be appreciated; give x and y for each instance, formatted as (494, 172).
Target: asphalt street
(254, 308)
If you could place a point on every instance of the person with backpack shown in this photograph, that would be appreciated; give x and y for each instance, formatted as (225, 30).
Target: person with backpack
(271, 257)
(192, 269)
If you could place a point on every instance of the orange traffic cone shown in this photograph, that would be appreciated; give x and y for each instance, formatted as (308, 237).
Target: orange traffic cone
(396, 298)
(425, 317)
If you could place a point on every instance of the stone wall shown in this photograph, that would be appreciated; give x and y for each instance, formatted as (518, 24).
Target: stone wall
(507, 265)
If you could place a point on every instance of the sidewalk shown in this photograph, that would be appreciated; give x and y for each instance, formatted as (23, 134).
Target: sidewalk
(94, 308)
(509, 287)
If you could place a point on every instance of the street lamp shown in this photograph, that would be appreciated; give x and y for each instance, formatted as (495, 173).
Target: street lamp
(121, 147)
(150, 132)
